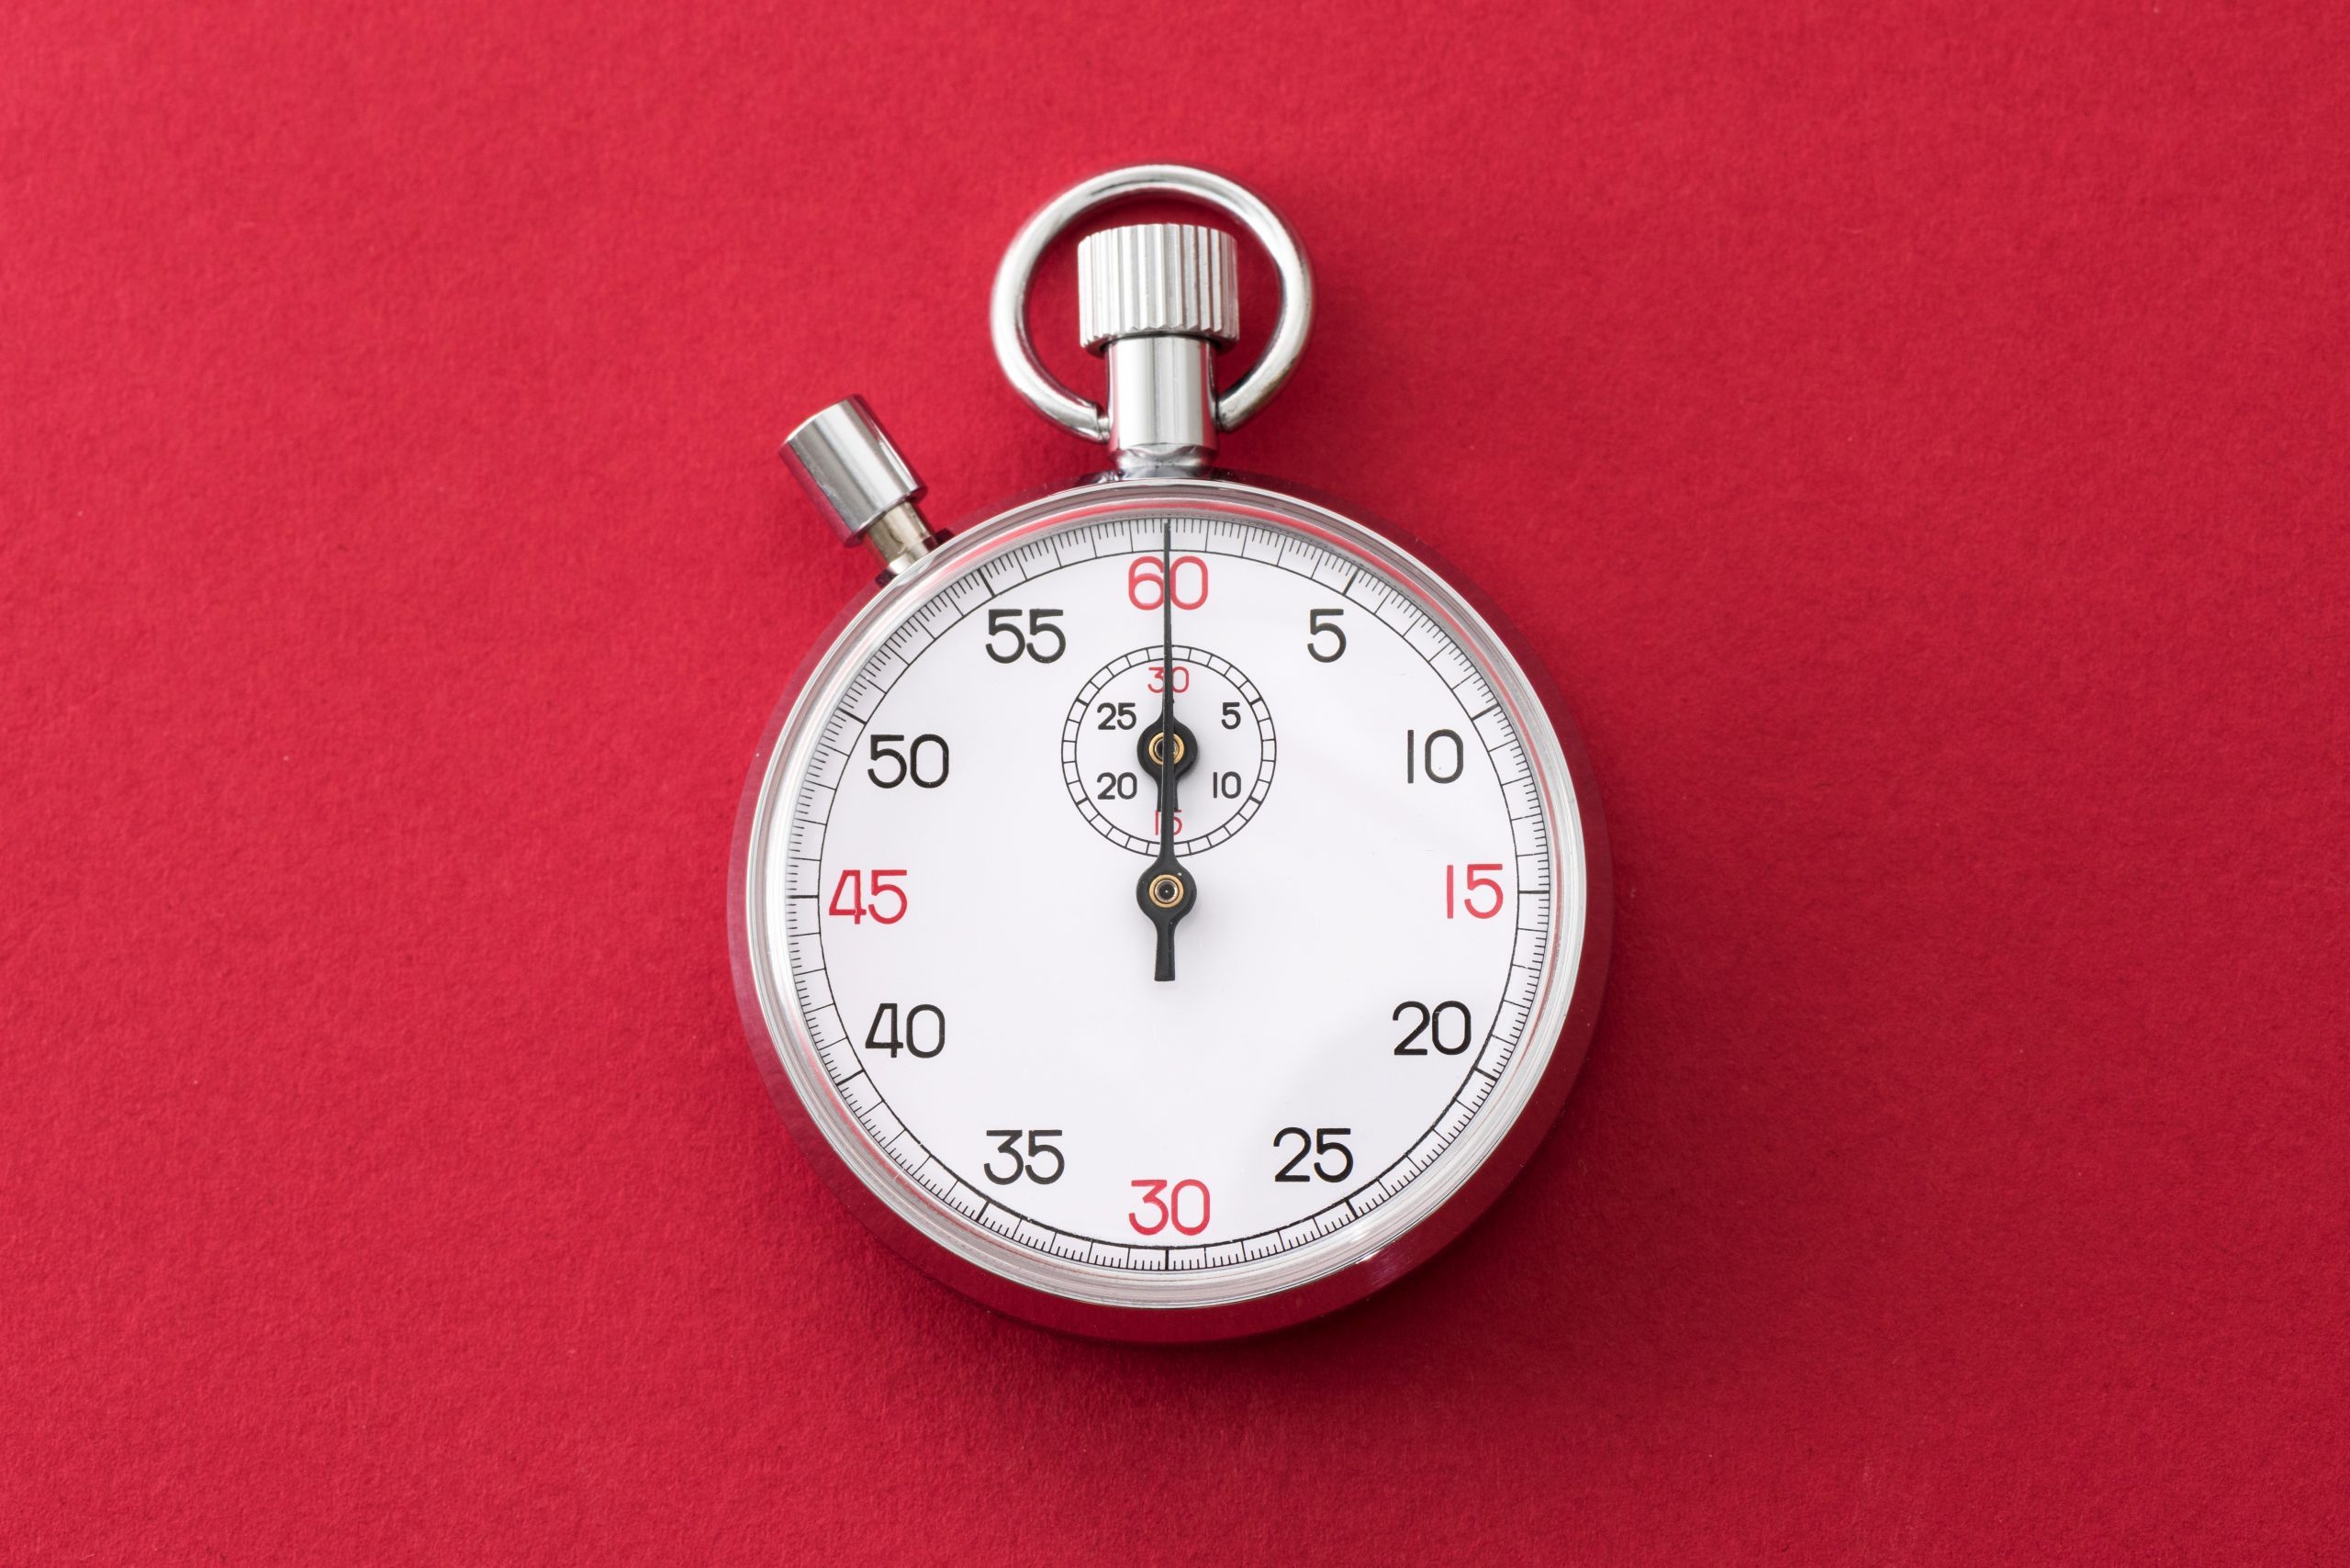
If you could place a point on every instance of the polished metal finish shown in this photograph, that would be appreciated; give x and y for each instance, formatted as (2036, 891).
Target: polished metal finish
(900, 537)
(861, 483)
(1008, 304)
(1162, 403)
(1160, 297)
(1150, 278)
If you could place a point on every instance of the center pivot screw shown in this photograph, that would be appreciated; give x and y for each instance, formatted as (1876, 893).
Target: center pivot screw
(1150, 748)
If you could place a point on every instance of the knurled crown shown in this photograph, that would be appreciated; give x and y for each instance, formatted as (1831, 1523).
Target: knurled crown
(1171, 279)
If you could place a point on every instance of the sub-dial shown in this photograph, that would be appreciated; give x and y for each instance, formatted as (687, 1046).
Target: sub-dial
(1223, 740)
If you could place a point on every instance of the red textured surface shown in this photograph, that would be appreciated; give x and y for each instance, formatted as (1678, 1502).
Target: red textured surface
(1914, 436)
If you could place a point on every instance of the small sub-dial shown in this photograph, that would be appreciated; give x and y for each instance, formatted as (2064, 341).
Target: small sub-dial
(1222, 739)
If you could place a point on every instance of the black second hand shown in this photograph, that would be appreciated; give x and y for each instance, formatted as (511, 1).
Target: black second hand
(1166, 891)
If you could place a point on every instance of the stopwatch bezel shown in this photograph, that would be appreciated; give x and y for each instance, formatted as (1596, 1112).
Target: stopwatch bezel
(1114, 1303)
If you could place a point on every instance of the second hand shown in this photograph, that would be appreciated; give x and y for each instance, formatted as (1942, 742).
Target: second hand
(1166, 892)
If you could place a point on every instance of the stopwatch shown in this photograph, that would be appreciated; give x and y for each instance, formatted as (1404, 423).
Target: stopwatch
(1169, 908)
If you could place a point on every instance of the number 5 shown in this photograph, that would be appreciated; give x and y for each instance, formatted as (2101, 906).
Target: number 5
(1324, 623)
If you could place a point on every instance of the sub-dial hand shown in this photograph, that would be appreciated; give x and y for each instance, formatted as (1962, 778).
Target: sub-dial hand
(1147, 747)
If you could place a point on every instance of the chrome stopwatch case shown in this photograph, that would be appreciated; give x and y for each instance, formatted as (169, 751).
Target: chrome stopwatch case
(1169, 908)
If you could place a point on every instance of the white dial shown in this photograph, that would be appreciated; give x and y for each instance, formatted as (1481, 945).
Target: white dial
(1388, 906)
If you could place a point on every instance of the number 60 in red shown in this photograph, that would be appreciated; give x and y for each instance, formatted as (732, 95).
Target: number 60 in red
(1147, 582)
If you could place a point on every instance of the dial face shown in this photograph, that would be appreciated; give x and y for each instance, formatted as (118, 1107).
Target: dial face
(947, 899)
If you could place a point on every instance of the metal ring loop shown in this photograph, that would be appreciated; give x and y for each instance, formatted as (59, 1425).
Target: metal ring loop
(1008, 305)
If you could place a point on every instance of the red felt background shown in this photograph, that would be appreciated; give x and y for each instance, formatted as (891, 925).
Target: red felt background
(1914, 436)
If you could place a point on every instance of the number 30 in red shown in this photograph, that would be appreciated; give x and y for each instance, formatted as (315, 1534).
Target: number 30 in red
(1170, 1207)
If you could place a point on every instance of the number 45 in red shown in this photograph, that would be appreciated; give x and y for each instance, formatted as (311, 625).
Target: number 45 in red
(859, 893)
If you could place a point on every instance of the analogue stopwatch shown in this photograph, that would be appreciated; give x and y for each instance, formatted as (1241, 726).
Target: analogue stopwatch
(1169, 908)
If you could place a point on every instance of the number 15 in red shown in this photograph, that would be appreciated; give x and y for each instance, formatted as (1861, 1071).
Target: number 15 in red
(1478, 880)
